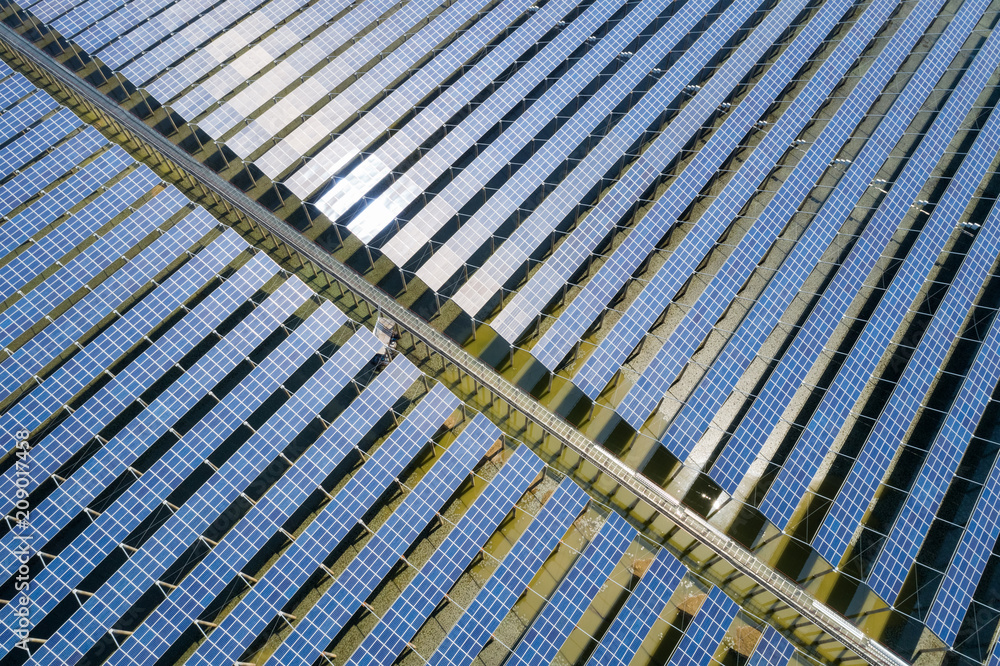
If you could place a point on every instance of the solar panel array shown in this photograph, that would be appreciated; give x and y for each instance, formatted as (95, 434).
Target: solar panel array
(209, 438)
(762, 233)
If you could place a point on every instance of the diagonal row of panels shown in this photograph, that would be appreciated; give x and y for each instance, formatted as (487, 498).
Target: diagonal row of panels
(212, 452)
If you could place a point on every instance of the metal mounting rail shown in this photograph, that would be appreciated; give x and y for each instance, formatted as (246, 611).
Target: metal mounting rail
(739, 557)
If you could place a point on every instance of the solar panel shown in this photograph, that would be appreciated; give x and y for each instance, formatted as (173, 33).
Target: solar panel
(788, 281)
(640, 612)
(572, 323)
(110, 400)
(13, 89)
(483, 616)
(62, 198)
(749, 437)
(499, 153)
(914, 519)
(299, 63)
(364, 573)
(411, 609)
(856, 371)
(268, 50)
(701, 639)
(909, 393)
(38, 139)
(608, 358)
(170, 83)
(149, 27)
(320, 167)
(647, 392)
(65, 237)
(316, 129)
(295, 566)
(553, 153)
(528, 302)
(102, 301)
(772, 649)
(45, 171)
(542, 640)
(188, 39)
(966, 567)
(87, 265)
(248, 537)
(198, 513)
(292, 106)
(113, 342)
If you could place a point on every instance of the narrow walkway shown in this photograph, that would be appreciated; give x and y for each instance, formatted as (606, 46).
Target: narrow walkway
(738, 556)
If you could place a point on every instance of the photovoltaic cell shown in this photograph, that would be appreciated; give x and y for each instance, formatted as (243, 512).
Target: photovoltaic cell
(499, 153)
(838, 400)
(476, 231)
(640, 612)
(364, 573)
(615, 348)
(927, 493)
(542, 640)
(749, 438)
(186, 525)
(246, 539)
(647, 392)
(908, 395)
(788, 281)
(495, 599)
(384, 643)
(338, 517)
(555, 272)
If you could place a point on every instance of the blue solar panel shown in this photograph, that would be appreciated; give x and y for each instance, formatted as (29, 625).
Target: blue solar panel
(772, 649)
(550, 278)
(389, 638)
(112, 399)
(590, 572)
(39, 138)
(101, 352)
(749, 438)
(153, 487)
(14, 88)
(702, 637)
(640, 612)
(555, 151)
(923, 502)
(787, 282)
(61, 198)
(102, 301)
(322, 165)
(500, 152)
(269, 514)
(966, 567)
(597, 371)
(350, 589)
(647, 392)
(837, 402)
(190, 38)
(370, 86)
(65, 237)
(182, 529)
(272, 48)
(291, 107)
(595, 295)
(87, 265)
(495, 599)
(893, 423)
(45, 171)
(25, 114)
(323, 534)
